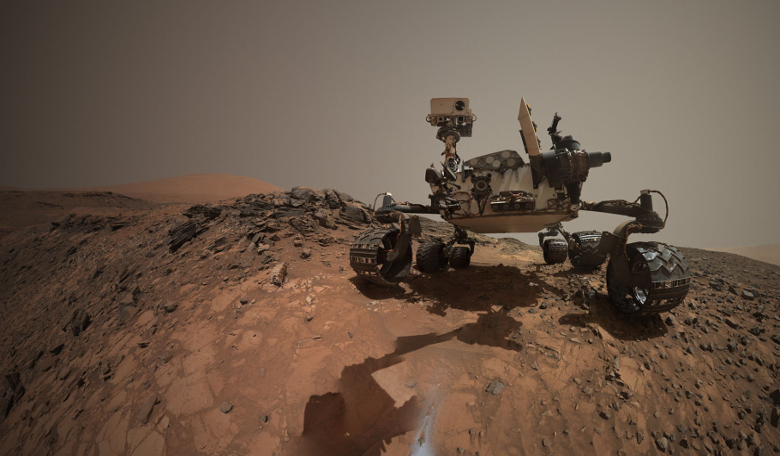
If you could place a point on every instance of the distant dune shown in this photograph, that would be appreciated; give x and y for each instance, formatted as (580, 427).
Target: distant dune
(192, 189)
(768, 253)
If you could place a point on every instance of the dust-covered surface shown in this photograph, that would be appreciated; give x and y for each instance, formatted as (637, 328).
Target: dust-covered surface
(239, 328)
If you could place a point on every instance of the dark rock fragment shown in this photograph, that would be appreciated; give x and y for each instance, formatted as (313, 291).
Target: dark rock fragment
(207, 211)
(775, 395)
(14, 392)
(46, 363)
(495, 387)
(127, 310)
(354, 214)
(285, 212)
(332, 199)
(169, 307)
(147, 406)
(79, 321)
(12, 381)
(64, 373)
(278, 274)
(181, 234)
(324, 218)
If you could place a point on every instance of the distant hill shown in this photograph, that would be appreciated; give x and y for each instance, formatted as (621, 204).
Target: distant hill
(768, 253)
(192, 189)
(21, 208)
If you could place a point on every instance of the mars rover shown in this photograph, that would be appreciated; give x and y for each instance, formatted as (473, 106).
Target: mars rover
(501, 193)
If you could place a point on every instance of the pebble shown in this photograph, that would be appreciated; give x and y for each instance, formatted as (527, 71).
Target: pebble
(226, 407)
(64, 373)
(170, 307)
(494, 387)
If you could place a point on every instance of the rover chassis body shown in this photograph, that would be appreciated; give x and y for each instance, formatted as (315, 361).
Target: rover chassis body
(502, 193)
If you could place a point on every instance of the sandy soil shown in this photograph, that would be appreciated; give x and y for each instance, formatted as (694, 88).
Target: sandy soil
(241, 329)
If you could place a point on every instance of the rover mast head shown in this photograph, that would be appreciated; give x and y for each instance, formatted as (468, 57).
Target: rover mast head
(455, 120)
(451, 114)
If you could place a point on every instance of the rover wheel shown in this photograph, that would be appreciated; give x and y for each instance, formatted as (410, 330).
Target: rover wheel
(555, 251)
(585, 253)
(460, 257)
(665, 279)
(368, 257)
(431, 257)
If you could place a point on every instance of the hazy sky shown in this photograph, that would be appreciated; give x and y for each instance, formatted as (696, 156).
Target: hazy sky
(334, 94)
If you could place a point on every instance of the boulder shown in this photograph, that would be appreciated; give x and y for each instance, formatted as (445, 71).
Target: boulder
(354, 214)
(324, 218)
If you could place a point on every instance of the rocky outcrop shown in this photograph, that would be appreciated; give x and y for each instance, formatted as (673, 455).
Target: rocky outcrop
(239, 328)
